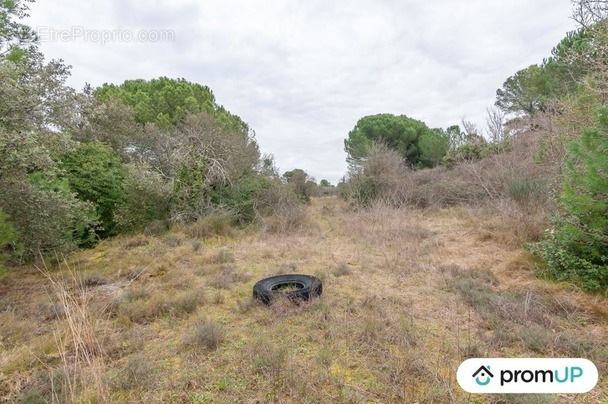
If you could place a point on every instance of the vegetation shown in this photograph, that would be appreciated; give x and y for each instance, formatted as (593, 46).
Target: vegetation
(167, 102)
(413, 140)
(79, 167)
(135, 219)
(578, 247)
(140, 315)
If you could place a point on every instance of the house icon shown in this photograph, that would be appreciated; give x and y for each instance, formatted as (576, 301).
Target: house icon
(483, 372)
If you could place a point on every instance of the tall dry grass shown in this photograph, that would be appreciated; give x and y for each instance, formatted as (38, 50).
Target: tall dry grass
(79, 341)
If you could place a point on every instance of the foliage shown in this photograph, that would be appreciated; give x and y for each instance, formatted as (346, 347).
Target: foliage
(525, 92)
(433, 147)
(147, 199)
(96, 174)
(167, 102)
(42, 207)
(456, 136)
(34, 94)
(302, 184)
(379, 176)
(8, 240)
(47, 220)
(110, 122)
(578, 248)
(399, 133)
(208, 165)
(13, 34)
(569, 62)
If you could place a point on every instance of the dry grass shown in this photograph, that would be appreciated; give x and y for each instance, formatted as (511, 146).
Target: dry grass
(206, 334)
(79, 340)
(408, 294)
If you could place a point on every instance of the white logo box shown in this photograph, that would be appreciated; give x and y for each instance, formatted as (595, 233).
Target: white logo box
(527, 375)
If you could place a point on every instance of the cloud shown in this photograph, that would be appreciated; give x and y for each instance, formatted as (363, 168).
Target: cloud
(303, 73)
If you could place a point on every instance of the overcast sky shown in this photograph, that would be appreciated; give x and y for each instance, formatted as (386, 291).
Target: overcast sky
(302, 73)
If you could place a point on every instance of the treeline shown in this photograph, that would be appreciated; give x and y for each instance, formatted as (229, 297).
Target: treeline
(542, 159)
(77, 167)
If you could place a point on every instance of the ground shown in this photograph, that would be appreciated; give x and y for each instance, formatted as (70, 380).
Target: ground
(408, 295)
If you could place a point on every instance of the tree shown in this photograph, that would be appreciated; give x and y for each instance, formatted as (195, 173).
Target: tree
(302, 184)
(526, 92)
(456, 136)
(96, 174)
(147, 199)
(324, 183)
(433, 147)
(110, 122)
(168, 102)
(34, 105)
(588, 12)
(13, 34)
(205, 161)
(570, 61)
(34, 94)
(399, 133)
(578, 248)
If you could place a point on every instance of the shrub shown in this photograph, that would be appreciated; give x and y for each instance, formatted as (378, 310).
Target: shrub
(41, 205)
(48, 220)
(524, 190)
(377, 176)
(578, 248)
(8, 240)
(279, 209)
(96, 174)
(147, 199)
(218, 224)
(206, 334)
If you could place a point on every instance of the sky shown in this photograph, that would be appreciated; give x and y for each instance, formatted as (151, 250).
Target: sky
(302, 74)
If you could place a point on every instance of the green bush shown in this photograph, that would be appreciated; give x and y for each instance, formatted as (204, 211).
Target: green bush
(147, 199)
(578, 248)
(563, 263)
(47, 220)
(524, 190)
(94, 171)
(8, 241)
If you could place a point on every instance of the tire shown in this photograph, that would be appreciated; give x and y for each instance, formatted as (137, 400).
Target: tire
(306, 287)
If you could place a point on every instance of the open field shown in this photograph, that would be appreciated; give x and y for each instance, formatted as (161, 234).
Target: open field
(408, 295)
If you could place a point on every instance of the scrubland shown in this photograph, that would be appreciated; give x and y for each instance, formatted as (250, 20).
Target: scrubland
(408, 295)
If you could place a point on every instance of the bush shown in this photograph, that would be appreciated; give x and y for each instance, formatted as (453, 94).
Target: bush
(8, 240)
(96, 174)
(47, 220)
(206, 334)
(41, 206)
(525, 190)
(379, 175)
(218, 224)
(578, 248)
(147, 199)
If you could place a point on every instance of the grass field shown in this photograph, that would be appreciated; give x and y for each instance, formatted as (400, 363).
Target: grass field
(408, 295)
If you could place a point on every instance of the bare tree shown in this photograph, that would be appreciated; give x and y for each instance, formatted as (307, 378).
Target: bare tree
(495, 124)
(589, 12)
(471, 130)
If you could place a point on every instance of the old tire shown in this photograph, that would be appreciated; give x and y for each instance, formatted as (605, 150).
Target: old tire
(295, 287)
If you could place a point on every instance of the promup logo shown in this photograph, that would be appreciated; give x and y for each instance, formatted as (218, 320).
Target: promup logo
(484, 373)
(527, 375)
